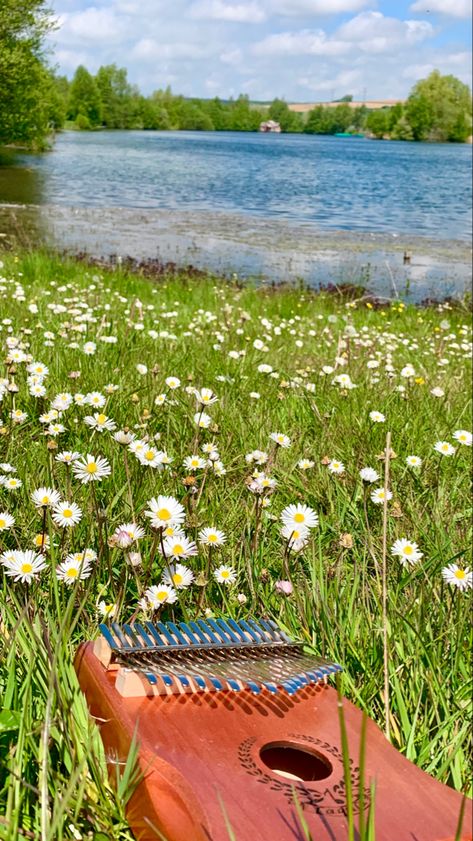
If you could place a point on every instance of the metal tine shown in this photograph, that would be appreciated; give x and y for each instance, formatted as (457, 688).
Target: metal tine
(131, 634)
(144, 636)
(105, 631)
(161, 626)
(195, 627)
(190, 632)
(156, 637)
(175, 669)
(260, 629)
(218, 631)
(207, 630)
(256, 637)
(282, 634)
(237, 629)
(120, 635)
(177, 633)
(225, 626)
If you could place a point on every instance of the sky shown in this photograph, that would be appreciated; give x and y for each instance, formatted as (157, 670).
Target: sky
(302, 50)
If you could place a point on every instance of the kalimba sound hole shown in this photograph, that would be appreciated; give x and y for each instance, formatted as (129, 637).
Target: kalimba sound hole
(294, 762)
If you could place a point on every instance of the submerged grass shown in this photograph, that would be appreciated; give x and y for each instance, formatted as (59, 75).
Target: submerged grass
(53, 780)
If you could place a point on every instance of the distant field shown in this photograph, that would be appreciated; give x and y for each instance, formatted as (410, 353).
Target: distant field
(371, 104)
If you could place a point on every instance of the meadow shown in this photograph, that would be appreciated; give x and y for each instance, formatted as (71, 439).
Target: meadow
(187, 446)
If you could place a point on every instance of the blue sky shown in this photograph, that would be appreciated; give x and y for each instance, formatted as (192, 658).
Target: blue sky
(303, 50)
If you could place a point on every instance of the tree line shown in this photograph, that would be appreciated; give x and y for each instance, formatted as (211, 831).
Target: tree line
(35, 102)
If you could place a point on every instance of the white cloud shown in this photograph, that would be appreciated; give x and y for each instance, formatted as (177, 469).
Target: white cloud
(315, 7)
(375, 33)
(305, 42)
(345, 80)
(92, 25)
(454, 8)
(232, 57)
(234, 12)
(149, 49)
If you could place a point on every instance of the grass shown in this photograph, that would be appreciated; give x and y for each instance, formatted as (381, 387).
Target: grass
(53, 781)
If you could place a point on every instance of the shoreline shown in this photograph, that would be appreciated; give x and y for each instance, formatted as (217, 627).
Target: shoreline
(248, 246)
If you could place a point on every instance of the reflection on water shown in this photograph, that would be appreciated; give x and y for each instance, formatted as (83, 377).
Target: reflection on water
(279, 207)
(251, 247)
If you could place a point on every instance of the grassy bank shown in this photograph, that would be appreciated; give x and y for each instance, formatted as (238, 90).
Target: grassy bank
(126, 353)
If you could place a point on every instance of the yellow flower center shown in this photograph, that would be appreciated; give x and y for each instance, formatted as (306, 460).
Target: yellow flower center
(25, 568)
(45, 500)
(67, 512)
(299, 518)
(161, 595)
(2, 523)
(212, 538)
(72, 572)
(408, 550)
(460, 574)
(163, 514)
(225, 573)
(92, 467)
(101, 418)
(177, 578)
(178, 549)
(195, 462)
(149, 455)
(462, 437)
(381, 494)
(296, 534)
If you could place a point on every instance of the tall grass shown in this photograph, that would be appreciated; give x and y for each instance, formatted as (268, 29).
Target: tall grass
(53, 780)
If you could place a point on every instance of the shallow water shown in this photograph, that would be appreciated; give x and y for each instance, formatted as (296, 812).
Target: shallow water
(280, 207)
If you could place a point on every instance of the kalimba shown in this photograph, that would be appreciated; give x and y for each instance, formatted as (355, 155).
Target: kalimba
(237, 727)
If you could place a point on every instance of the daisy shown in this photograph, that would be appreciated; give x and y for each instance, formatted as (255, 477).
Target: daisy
(262, 483)
(178, 576)
(45, 497)
(100, 422)
(127, 533)
(94, 398)
(62, 401)
(41, 542)
(211, 537)
(55, 429)
(444, 448)
(165, 511)
(91, 469)
(88, 555)
(257, 456)
(72, 569)
(151, 457)
(377, 417)
(107, 610)
(282, 440)
(160, 400)
(37, 390)
(407, 551)
(172, 382)
(413, 461)
(179, 547)
(23, 566)
(202, 420)
(369, 475)
(18, 416)
(205, 396)
(67, 456)
(11, 483)
(6, 467)
(292, 532)
(194, 463)
(162, 594)
(225, 574)
(38, 368)
(67, 514)
(377, 496)
(457, 577)
(305, 464)
(299, 517)
(6, 521)
(463, 437)
(336, 467)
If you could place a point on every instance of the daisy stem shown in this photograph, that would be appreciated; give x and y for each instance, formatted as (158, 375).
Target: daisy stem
(203, 591)
(384, 583)
(128, 482)
(43, 530)
(204, 477)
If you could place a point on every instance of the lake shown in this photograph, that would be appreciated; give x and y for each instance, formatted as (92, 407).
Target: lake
(280, 207)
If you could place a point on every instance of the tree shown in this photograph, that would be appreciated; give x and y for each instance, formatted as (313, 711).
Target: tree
(26, 83)
(377, 122)
(280, 112)
(84, 99)
(439, 108)
(117, 96)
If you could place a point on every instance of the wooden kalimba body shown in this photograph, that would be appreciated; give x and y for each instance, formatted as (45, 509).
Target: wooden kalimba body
(234, 722)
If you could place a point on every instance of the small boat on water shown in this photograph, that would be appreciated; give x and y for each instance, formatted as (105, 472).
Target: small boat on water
(348, 134)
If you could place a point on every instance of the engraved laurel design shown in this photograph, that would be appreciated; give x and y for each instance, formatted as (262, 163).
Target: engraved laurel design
(329, 800)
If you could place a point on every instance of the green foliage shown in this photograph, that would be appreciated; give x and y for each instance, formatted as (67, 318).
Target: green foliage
(84, 99)
(27, 109)
(289, 120)
(377, 122)
(439, 108)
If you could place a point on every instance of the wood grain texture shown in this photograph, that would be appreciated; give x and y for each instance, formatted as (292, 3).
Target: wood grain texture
(200, 750)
